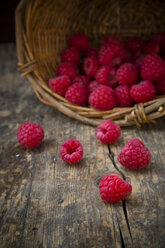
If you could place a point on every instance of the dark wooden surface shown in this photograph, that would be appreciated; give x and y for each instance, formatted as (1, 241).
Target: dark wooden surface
(45, 203)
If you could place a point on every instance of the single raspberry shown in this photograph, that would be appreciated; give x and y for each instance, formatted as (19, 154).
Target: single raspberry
(80, 41)
(77, 94)
(30, 135)
(138, 61)
(93, 86)
(113, 188)
(135, 44)
(60, 84)
(160, 87)
(71, 55)
(102, 98)
(152, 48)
(127, 58)
(91, 65)
(71, 151)
(82, 79)
(112, 39)
(111, 54)
(123, 96)
(134, 155)
(108, 132)
(107, 75)
(127, 74)
(91, 51)
(67, 69)
(159, 39)
(143, 91)
(153, 68)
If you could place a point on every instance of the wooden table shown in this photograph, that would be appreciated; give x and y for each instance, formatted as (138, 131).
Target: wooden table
(46, 203)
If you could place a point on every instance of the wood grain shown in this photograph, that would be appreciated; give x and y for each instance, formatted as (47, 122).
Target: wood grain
(46, 203)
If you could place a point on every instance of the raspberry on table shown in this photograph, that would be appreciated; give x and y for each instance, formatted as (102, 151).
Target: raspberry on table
(113, 188)
(82, 79)
(93, 86)
(108, 132)
(134, 155)
(106, 75)
(135, 44)
(160, 87)
(60, 84)
(91, 65)
(102, 98)
(77, 94)
(71, 55)
(123, 96)
(30, 135)
(91, 51)
(67, 69)
(127, 74)
(112, 39)
(71, 151)
(143, 91)
(80, 41)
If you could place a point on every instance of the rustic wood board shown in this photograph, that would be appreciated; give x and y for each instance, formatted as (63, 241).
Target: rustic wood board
(46, 203)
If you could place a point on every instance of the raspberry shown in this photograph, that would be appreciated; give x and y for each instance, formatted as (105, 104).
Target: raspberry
(71, 55)
(91, 65)
(159, 39)
(30, 135)
(71, 151)
(82, 79)
(77, 94)
(60, 84)
(127, 74)
(111, 54)
(123, 96)
(160, 87)
(135, 44)
(113, 188)
(143, 91)
(151, 48)
(102, 98)
(93, 86)
(153, 68)
(134, 155)
(67, 69)
(107, 75)
(138, 61)
(112, 39)
(127, 58)
(80, 41)
(91, 51)
(108, 132)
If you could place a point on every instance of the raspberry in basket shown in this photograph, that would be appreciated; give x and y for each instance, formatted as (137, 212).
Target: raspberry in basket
(82, 79)
(160, 87)
(91, 65)
(135, 44)
(91, 51)
(80, 41)
(113, 188)
(127, 74)
(93, 86)
(71, 55)
(152, 48)
(159, 39)
(123, 96)
(60, 84)
(112, 39)
(134, 155)
(67, 69)
(71, 151)
(77, 94)
(30, 135)
(106, 75)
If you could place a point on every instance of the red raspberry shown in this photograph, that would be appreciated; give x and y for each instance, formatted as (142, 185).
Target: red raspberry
(135, 44)
(160, 87)
(113, 188)
(91, 65)
(30, 135)
(143, 91)
(71, 55)
(153, 68)
(159, 39)
(127, 74)
(82, 79)
(127, 58)
(152, 48)
(111, 54)
(93, 86)
(91, 51)
(71, 151)
(107, 75)
(112, 39)
(123, 96)
(138, 61)
(77, 94)
(80, 41)
(60, 84)
(67, 69)
(108, 132)
(102, 98)
(134, 155)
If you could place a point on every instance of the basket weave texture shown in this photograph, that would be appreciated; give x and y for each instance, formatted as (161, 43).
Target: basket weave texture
(43, 28)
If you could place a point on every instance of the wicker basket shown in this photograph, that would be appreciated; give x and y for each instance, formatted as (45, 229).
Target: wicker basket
(42, 30)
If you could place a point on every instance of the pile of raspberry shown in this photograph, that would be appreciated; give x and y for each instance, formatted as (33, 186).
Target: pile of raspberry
(118, 73)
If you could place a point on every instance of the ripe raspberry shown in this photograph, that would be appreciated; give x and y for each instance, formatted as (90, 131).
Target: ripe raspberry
(134, 155)
(153, 68)
(91, 65)
(111, 54)
(91, 51)
(82, 79)
(159, 39)
(30, 135)
(93, 86)
(108, 132)
(160, 87)
(143, 91)
(107, 75)
(67, 69)
(102, 98)
(152, 48)
(127, 74)
(77, 94)
(123, 96)
(135, 44)
(112, 39)
(138, 61)
(71, 151)
(71, 55)
(113, 188)
(80, 41)
(127, 58)
(60, 84)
